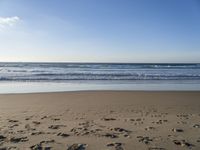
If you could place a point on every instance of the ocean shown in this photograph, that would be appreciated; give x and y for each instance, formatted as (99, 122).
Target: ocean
(42, 77)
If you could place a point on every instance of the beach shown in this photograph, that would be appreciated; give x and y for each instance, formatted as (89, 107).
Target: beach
(99, 75)
(100, 120)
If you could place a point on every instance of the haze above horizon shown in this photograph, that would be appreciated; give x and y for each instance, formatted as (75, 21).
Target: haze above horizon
(133, 31)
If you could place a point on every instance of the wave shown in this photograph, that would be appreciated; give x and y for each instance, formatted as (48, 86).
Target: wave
(96, 71)
(99, 77)
(97, 65)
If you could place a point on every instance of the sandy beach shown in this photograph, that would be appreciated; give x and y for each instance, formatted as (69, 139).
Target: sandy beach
(100, 120)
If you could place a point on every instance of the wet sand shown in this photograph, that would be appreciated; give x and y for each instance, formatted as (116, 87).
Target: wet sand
(100, 120)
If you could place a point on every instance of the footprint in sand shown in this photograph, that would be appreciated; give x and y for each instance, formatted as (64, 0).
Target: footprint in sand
(150, 128)
(55, 119)
(177, 130)
(77, 147)
(13, 121)
(47, 142)
(145, 140)
(56, 126)
(40, 147)
(160, 121)
(108, 119)
(2, 138)
(9, 148)
(21, 131)
(36, 122)
(64, 135)
(117, 146)
(111, 135)
(44, 117)
(18, 139)
(126, 133)
(183, 143)
(196, 126)
(37, 133)
(14, 125)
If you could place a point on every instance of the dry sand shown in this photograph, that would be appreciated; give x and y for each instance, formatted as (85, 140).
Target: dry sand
(101, 120)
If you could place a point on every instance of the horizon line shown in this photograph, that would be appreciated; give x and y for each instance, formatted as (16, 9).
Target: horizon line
(100, 62)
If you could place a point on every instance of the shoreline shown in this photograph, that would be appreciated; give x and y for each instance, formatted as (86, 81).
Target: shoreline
(107, 91)
(44, 87)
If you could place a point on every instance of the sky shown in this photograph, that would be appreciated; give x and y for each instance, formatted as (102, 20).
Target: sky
(134, 31)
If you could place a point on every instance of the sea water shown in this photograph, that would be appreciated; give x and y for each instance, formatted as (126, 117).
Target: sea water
(53, 77)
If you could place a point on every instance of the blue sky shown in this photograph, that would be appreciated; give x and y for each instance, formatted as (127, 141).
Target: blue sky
(100, 30)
